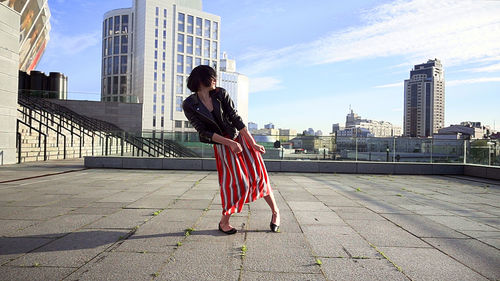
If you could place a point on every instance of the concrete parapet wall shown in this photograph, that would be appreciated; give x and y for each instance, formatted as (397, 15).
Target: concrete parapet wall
(208, 164)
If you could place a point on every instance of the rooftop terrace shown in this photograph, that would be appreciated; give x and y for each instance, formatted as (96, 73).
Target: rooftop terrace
(61, 221)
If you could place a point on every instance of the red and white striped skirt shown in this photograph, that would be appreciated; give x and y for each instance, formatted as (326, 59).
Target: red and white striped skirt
(242, 177)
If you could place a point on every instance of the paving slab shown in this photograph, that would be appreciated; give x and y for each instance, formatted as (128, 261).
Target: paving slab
(125, 218)
(429, 264)
(13, 247)
(280, 276)
(421, 226)
(40, 273)
(360, 269)
(72, 250)
(472, 253)
(117, 266)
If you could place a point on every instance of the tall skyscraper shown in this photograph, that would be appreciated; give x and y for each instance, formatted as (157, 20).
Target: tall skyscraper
(149, 51)
(236, 85)
(424, 100)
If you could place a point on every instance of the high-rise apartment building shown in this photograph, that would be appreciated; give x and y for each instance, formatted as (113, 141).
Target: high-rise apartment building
(149, 51)
(424, 100)
(236, 85)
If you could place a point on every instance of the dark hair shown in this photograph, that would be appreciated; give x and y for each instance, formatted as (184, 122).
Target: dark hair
(202, 74)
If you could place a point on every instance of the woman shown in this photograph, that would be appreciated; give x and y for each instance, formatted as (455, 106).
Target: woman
(242, 174)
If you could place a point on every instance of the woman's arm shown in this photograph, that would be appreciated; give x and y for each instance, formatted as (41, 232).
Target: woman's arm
(233, 145)
(246, 134)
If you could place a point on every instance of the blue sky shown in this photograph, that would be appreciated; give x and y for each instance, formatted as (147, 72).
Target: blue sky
(308, 63)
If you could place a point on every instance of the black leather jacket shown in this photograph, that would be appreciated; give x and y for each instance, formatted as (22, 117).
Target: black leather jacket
(228, 120)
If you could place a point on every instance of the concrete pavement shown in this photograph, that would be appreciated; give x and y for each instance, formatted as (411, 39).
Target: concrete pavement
(69, 223)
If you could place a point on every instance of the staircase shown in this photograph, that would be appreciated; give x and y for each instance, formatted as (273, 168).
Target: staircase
(47, 131)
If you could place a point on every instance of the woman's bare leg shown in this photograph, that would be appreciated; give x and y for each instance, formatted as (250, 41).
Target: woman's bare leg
(224, 222)
(274, 208)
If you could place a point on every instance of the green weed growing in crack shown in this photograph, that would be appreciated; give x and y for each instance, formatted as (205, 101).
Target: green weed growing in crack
(143, 252)
(399, 195)
(188, 231)
(156, 213)
(36, 264)
(121, 238)
(155, 274)
(319, 262)
(179, 244)
(243, 250)
(206, 209)
(358, 189)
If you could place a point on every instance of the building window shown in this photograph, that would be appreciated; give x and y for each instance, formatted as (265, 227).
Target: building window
(154, 98)
(155, 87)
(214, 50)
(104, 27)
(109, 86)
(187, 124)
(125, 24)
(116, 45)
(198, 46)
(124, 44)
(164, 23)
(197, 62)
(155, 76)
(163, 88)
(206, 28)
(115, 85)
(163, 55)
(110, 46)
(162, 99)
(206, 62)
(116, 64)
(123, 65)
(178, 104)
(189, 64)
(157, 11)
(123, 85)
(198, 26)
(117, 24)
(164, 34)
(105, 47)
(179, 84)
(180, 43)
(189, 45)
(164, 13)
(156, 44)
(162, 109)
(163, 77)
(180, 63)
(154, 109)
(206, 48)
(154, 121)
(156, 22)
(162, 121)
(156, 33)
(178, 124)
(164, 45)
(156, 65)
(181, 22)
(110, 26)
(190, 23)
(163, 66)
(214, 64)
(215, 30)
(156, 55)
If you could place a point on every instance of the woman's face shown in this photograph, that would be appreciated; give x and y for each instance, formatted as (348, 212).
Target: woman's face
(213, 83)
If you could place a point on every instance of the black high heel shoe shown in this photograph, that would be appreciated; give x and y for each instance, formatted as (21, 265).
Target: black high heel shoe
(274, 227)
(231, 231)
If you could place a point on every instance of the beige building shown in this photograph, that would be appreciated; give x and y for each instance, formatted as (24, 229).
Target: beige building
(424, 100)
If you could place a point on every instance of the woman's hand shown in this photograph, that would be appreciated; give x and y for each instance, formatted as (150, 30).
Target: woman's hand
(235, 147)
(259, 148)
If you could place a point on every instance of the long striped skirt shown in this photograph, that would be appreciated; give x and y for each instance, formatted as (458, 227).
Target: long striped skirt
(242, 177)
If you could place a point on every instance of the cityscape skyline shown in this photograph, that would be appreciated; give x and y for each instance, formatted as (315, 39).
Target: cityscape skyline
(346, 54)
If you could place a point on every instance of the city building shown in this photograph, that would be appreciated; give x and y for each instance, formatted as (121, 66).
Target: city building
(236, 85)
(149, 51)
(424, 100)
(370, 128)
(335, 127)
(287, 134)
(252, 126)
(25, 28)
(269, 126)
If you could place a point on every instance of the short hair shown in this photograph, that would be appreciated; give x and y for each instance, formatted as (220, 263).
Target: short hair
(202, 74)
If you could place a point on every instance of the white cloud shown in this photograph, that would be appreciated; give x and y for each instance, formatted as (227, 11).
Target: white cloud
(454, 31)
(262, 84)
(393, 85)
(472, 81)
(489, 68)
(71, 45)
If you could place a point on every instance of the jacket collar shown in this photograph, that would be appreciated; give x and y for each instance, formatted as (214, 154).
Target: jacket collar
(200, 107)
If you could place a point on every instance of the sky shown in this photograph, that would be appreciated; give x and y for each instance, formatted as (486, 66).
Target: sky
(308, 64)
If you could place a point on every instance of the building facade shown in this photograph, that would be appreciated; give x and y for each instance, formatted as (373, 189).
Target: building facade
(149, 51)
(371, 128)
(236, 84)
(424, 100)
